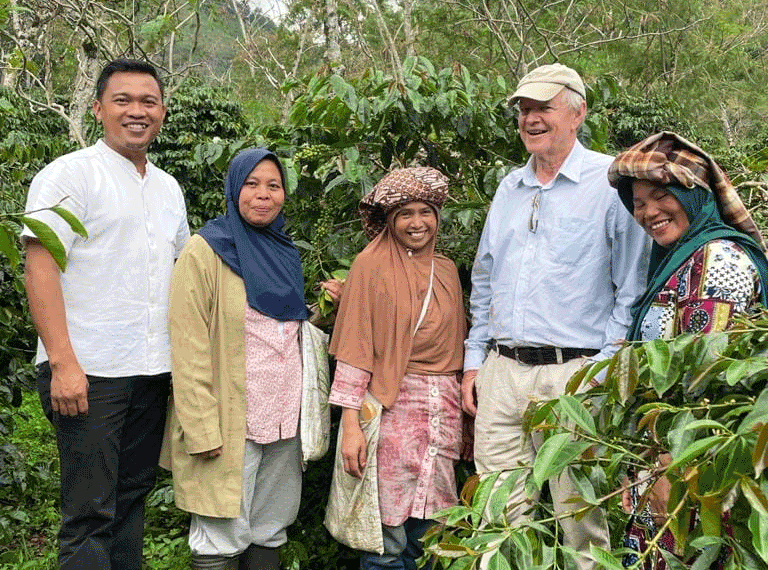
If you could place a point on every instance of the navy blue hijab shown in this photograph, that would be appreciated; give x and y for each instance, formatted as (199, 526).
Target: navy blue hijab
(265, 258)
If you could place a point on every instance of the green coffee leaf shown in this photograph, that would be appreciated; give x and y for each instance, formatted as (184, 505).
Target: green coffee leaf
(48, 239)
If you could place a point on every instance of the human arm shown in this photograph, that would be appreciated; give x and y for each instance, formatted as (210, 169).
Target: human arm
(353, 443)
(476, 345)
(194, 393)
(630, 252)
(468, 393)
(69, 385)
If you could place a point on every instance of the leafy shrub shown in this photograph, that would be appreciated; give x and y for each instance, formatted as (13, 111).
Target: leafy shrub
(701, 398)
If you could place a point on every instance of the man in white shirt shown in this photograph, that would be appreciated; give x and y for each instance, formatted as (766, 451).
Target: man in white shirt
(103, 350)
(559, 264)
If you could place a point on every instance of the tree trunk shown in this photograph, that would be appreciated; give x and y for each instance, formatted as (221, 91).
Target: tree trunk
(408, 29)
(82, 92)
(332, 34)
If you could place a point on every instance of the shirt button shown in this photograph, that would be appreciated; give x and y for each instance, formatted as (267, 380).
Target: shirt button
(432, 450)
(434, 392)
(435, 421)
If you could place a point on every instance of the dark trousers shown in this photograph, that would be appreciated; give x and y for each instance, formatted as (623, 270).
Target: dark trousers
(108, 459)
(402, 547)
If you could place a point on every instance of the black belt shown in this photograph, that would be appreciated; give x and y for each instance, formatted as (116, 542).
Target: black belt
(543, 354)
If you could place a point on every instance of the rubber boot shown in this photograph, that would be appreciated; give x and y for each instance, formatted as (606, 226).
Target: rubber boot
(214, 562)
(259, 558)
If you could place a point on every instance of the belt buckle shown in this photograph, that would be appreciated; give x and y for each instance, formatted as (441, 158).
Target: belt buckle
(559, 354)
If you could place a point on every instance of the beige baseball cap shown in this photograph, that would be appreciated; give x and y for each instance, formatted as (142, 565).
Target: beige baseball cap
(543, 83)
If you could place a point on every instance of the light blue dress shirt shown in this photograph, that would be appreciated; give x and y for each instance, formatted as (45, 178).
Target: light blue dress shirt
(558, 264)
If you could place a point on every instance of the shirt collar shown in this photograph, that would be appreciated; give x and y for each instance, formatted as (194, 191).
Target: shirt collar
(104, 148)
(571, 168)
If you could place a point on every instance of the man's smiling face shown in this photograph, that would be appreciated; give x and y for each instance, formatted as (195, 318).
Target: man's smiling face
(548, 128)
(132, 112)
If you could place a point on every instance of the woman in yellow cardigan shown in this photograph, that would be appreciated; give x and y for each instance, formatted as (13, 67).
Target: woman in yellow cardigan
(232, 441)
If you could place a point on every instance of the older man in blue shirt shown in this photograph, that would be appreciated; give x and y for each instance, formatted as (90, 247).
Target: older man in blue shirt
(559, 264)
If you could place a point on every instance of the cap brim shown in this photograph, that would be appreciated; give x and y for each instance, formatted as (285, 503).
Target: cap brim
(538, 91)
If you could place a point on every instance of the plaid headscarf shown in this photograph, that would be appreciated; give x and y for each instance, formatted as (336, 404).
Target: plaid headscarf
(711, 204)
(416, 184)
(668, 158)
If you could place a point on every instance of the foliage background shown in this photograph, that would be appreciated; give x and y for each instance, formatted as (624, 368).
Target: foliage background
(413, 82)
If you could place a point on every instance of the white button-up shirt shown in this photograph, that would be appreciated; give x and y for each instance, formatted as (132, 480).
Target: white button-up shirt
(116, 284)
(558, 264)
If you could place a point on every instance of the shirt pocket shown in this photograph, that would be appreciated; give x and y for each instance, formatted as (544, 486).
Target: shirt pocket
(572, 240)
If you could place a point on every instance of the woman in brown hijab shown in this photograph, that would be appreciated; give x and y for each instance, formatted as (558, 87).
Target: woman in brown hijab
(399, 336)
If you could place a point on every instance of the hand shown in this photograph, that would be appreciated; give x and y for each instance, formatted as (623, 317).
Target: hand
(69, 388)
(334, 287)
(468, 394)
(353, 444)
(626, 497)
(210, 454)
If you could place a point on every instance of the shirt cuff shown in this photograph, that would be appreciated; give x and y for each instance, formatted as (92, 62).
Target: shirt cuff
(349, 386)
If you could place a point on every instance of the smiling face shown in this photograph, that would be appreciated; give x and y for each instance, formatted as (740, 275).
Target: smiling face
(548, 128)
(262, 195)
(131, 110)
(658, 212)
(414, 225)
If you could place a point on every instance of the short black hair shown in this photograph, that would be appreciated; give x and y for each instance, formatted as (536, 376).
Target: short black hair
(130, 65)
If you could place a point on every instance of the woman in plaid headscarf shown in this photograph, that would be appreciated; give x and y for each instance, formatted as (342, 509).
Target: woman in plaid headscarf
(707, 259)
(707, 264)
(399, 336)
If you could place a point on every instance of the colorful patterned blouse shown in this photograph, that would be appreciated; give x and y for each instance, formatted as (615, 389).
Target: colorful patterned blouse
(717, 281)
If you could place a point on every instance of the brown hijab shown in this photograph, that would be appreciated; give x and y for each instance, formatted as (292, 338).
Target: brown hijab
(385, 291)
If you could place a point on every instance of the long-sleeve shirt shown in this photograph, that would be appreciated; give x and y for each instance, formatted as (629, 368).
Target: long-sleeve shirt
(558, 264)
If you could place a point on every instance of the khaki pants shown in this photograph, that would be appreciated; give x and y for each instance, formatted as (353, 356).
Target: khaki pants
(504, 389)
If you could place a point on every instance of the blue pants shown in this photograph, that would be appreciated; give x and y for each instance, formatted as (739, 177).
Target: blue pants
(402, 547)
(108, 459)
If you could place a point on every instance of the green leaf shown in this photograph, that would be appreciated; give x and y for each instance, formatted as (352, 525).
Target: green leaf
(497, 502)
(483, 492)
(8, 246)
(604, 558)
(72, 220)
(659, 363)
(555, 455)
(760, 452)
(702, 424)
(710, 511)
(498, 562)
(694, 450)
(48, 239)
(576, 412)
(758, 525)
(754, 494)
(628, 373)
(758, 414)
(743, 369)
(679, 437)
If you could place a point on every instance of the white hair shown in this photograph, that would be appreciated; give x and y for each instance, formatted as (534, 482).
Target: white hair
(573, 98)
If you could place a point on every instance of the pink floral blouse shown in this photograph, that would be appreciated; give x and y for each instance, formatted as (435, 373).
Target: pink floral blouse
(272, 377)
(419, 441)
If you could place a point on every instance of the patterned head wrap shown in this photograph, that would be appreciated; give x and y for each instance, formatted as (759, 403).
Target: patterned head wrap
(416, 184)
(668, 158)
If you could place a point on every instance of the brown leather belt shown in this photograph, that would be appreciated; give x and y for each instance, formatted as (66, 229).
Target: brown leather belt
(542, 354)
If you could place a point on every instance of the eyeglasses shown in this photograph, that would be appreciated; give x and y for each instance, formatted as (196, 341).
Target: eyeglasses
(533, 221)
